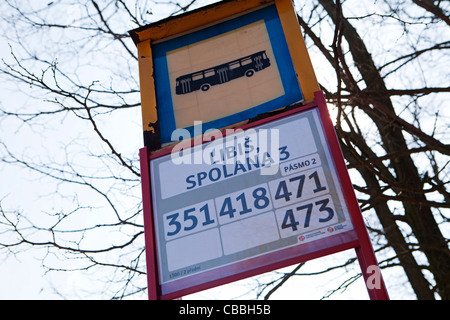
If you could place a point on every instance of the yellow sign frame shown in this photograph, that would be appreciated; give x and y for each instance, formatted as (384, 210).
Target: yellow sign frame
(146, 36)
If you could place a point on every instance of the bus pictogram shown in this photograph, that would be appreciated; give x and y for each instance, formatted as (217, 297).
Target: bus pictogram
(204, 79)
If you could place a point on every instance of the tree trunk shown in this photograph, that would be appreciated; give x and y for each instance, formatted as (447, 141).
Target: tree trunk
(419, 217)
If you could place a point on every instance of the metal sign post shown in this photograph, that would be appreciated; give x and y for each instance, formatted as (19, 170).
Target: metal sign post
(365, 254)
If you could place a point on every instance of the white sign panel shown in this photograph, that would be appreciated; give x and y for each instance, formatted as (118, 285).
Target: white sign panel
(227, 201)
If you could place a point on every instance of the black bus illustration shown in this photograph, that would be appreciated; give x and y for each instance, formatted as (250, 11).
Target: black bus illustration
(222, 73)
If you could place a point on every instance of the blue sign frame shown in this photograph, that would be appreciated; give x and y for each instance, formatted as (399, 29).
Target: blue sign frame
(292, 91)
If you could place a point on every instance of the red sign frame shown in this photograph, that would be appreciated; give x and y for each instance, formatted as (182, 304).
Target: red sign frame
(357, 238)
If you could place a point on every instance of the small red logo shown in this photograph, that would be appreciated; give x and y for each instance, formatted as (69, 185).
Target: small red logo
(301, 238)
(330, 229)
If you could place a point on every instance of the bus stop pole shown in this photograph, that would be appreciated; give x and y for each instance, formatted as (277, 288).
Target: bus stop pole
(150, 251)
(369, 266)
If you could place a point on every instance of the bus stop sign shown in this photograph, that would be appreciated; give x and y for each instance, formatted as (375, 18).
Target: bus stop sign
(222, 65)
(249, 202)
